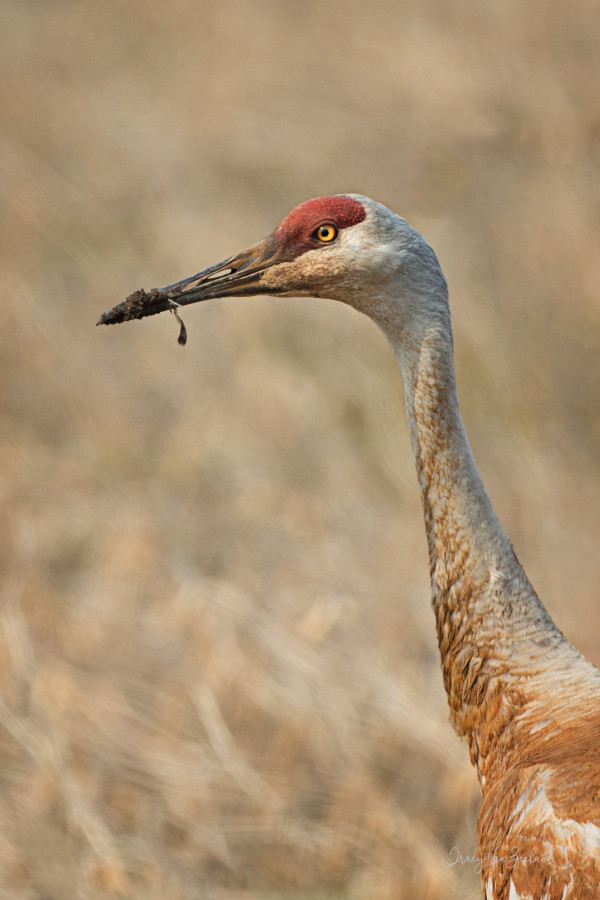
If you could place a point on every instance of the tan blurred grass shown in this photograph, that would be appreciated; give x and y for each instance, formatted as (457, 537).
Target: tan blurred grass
(218, 672)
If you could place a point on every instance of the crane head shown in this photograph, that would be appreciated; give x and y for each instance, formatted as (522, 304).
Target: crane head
(342, 247)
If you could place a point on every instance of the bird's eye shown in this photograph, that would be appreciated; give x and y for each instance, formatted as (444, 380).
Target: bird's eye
(326, 233)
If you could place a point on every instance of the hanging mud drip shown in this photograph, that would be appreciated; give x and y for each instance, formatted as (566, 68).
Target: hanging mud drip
(182, 339)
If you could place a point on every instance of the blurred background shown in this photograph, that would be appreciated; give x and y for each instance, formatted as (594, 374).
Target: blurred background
(218, 669)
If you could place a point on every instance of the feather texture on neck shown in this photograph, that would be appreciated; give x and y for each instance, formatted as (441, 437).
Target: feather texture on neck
(496, 639)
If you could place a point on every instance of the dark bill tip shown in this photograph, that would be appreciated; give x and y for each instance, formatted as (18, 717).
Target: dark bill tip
(139, 304)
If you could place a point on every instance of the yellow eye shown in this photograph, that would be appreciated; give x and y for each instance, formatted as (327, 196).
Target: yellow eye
(326, 233)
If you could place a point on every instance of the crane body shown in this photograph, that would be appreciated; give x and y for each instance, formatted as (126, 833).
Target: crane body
(526, 701)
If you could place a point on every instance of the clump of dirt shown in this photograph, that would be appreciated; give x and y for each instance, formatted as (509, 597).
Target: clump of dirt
(144, 303)
(139, 304)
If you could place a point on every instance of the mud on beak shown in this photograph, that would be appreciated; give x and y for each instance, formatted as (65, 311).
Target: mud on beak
(238, 276)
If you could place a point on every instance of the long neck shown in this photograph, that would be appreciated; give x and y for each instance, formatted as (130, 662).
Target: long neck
(463, 532)
(496, 639)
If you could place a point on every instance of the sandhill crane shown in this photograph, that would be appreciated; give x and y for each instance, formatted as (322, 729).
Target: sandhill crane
(527, 702)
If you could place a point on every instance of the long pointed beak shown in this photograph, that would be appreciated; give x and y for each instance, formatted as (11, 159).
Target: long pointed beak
(238, 276)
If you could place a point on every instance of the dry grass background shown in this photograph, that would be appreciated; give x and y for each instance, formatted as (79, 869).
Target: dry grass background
(218, 668)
